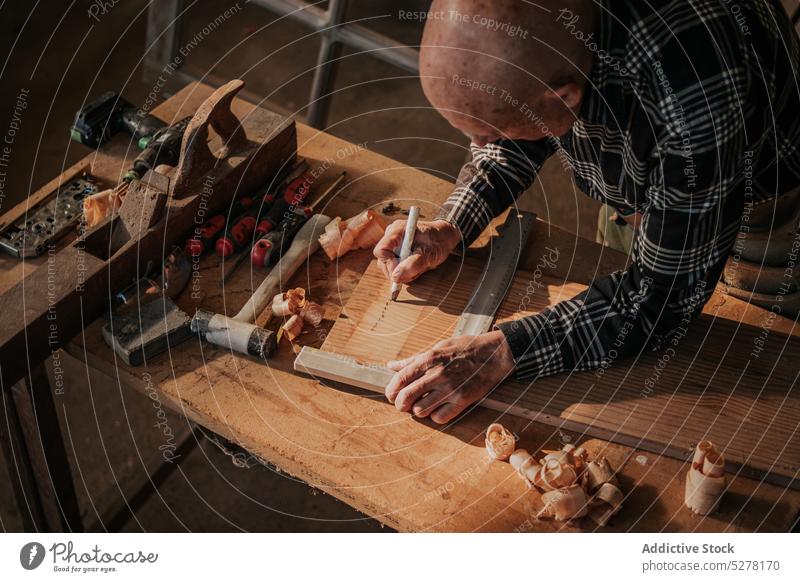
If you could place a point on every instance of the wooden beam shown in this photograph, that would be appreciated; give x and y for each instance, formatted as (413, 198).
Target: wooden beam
(344, 369)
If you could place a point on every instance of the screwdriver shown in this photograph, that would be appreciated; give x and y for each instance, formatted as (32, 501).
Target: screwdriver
(271, 245)
(255, 222)
(206, 236)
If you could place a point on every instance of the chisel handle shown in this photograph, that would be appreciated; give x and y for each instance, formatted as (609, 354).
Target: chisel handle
(305, 243)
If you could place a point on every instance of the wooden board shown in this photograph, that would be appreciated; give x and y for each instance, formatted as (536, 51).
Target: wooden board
(709, 387)
(410, 475)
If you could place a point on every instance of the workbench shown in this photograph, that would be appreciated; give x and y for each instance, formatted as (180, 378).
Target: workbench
(410, 474)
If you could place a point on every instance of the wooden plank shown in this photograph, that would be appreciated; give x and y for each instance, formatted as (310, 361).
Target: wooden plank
(344, 369)
(352, 444)
(709, 387)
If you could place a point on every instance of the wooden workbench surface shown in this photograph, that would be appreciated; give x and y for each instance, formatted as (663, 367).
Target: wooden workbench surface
(409, 474)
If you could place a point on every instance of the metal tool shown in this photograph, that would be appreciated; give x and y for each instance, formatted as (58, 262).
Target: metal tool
(264, 217)
(270, 246)
(101, 119)
(205, 237)
(45, 223)
(153, 328)
(239, 332)
(155, 215)
(162, 147)
(408, 241)
(491, 288)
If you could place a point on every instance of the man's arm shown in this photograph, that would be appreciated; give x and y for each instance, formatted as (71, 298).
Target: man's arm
(491, 182)
(486, 186)
(695, 203)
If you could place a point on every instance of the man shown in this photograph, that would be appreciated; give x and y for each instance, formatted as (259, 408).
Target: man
(676, 114)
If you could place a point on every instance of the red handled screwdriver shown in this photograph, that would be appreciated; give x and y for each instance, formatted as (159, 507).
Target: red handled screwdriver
(242, 232)
(238, 233)
(270, 246)
(206, 236)
(293, 197)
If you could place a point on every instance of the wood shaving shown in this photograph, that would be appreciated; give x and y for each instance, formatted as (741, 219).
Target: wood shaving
(555, 474)
(293, 327)
(289, 303)
(705, 481)
(572, 485)
(360, 232)
(99, 206)
(312, 313)
(294, 305)
(564, 504)
(525, 465)
(597, 473)
(499, 442)
(605, 503)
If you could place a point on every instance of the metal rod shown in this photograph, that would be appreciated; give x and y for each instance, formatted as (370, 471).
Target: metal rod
(379, 46)
(330, 49)
(329, 52)
(355, 36)
(163, 34)
(310, 15)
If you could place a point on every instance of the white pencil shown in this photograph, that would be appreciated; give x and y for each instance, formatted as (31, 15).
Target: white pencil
(408, 241)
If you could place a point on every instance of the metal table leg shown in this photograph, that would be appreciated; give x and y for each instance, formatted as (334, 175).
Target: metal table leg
(163, 36)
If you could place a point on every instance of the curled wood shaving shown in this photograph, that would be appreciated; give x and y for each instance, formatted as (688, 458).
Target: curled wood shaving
(294, 305)
(555, 474)
(360, 232)
(605, 503)
(560, 469)
(572, 485)
(312, 313)
(525, 465)
(564, 504)
(293, 327)
(499, 442)
(289, 303)
(705, 481)
(98, 207)
(578, 455)
(597, 473)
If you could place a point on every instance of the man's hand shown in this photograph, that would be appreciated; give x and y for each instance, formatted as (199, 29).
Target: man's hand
(444, 381)
(433, 242)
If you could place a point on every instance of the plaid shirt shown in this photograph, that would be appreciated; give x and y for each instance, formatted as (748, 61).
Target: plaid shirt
(690, 114)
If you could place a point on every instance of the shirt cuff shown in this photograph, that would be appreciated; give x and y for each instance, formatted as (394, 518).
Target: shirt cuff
(534, 345)
(468, 212)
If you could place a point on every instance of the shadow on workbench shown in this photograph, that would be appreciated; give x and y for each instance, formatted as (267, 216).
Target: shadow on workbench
(113, 436)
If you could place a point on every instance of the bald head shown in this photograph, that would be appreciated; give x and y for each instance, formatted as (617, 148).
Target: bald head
(507, 68)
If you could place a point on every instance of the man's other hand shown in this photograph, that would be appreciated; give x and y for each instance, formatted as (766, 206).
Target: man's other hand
(433, 242)
(444, 381)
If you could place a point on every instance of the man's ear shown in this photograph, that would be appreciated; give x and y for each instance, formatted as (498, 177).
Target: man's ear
(569, 94)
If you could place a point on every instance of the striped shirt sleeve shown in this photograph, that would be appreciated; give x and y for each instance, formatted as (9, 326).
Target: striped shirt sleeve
(690, 221)
(491, 182)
